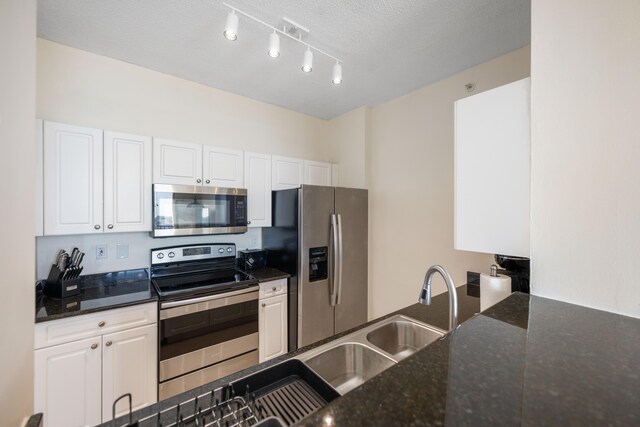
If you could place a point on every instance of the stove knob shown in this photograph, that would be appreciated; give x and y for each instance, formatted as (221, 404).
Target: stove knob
(221, 250)
(229, 249)
(160, 255)
(171, 254)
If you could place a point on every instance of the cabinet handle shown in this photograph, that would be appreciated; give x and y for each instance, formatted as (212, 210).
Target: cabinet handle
(198, 180)
(248, 222)
(110, 226)
(97, 227)
(108, 343)
(94, 346)
(264, 305)
(273, 289)
(208, 181)
(101, 324)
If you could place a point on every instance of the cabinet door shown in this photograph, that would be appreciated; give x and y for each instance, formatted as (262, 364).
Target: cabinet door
(287, 172)
(127, 182)
(257, 178)
(72, 179)
(223, 167)
(317, 173)
(176, 162)
(130, 363)
(272, 321)
(492, 151)
(68, 383)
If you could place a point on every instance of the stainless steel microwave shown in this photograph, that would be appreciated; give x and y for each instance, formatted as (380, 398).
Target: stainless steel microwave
(186, 210)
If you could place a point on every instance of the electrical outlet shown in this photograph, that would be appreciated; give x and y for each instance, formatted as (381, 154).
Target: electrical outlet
(101, 251)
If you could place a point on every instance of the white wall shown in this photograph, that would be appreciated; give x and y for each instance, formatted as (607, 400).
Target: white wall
(585, 152)
(411, 185)
(82, 88)
(17, 114)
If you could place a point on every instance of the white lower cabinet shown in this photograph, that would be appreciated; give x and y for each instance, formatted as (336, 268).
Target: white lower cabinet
(127, 368)
(272, 320)
(76, 382)
(68, 385)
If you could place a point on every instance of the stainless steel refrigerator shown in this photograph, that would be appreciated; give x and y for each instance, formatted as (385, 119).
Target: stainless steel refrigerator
(319, 237)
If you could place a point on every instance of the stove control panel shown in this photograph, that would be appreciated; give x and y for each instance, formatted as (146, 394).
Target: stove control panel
(192, 253)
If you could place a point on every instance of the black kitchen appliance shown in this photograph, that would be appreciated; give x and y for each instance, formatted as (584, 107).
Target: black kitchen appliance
(208, 315)
(252, 259)
(518, 269)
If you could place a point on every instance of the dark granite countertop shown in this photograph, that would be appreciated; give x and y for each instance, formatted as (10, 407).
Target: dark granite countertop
(267, 274)
(526, 361)
(100, 292)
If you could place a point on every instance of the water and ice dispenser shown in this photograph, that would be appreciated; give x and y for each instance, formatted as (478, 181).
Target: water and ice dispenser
(318, 263)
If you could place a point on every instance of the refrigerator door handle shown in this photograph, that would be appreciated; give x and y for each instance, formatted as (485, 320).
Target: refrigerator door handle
(340, 258)
(333, 259)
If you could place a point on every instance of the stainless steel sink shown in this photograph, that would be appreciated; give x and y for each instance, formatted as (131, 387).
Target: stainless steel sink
(346, 366)
(401, 338)
(355, 358)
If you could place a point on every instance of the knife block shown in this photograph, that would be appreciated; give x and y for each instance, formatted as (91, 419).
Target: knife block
(57, 287)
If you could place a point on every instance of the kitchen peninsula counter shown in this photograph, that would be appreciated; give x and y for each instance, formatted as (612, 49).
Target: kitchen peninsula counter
(525, 361)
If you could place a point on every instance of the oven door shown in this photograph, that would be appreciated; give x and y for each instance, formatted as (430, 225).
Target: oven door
(182, 210)
(206, 338)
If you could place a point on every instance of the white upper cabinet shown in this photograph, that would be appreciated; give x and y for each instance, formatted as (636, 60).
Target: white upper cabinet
(492, 171)
(257, 179)
(176, 162)
(127, 182)
(223, 167)
(39, 231)
(287, 172)
(72, 179)
(317, 173)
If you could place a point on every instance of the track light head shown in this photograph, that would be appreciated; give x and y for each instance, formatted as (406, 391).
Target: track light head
(337, 74)
(274, 45)
(307, 62)
(231, 29)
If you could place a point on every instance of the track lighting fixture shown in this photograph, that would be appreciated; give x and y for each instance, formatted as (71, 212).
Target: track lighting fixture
(290, 30)
(274, 45)
(337, 74)
(231, 29)
(307, 61)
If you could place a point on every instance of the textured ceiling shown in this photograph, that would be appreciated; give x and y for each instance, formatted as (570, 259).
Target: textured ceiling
(389, 47)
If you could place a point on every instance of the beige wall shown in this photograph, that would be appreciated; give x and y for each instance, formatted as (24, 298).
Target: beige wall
(411, 185)
(82, 88)
(585, 153)
(17, 114)
(348, 137)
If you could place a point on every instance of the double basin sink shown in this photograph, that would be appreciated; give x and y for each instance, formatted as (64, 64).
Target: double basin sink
(355, 358)
(291, 390)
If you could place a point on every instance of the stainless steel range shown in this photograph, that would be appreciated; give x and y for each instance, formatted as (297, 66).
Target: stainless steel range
(208, 315)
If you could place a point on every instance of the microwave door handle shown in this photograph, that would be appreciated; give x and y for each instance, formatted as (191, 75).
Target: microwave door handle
(340, 259)
(333, 259)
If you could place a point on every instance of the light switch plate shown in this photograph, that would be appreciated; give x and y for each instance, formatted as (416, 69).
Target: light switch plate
(122, 250)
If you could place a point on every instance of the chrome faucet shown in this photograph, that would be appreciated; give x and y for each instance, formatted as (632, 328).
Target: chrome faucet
(425, 293)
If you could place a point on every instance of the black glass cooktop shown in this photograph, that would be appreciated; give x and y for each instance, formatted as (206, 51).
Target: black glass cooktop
(210, 282)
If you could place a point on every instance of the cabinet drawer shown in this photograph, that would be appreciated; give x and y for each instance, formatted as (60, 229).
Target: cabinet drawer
(273, 288)
(62, 331)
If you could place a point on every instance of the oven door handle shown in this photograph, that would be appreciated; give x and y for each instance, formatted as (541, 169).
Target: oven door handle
(180, 303)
